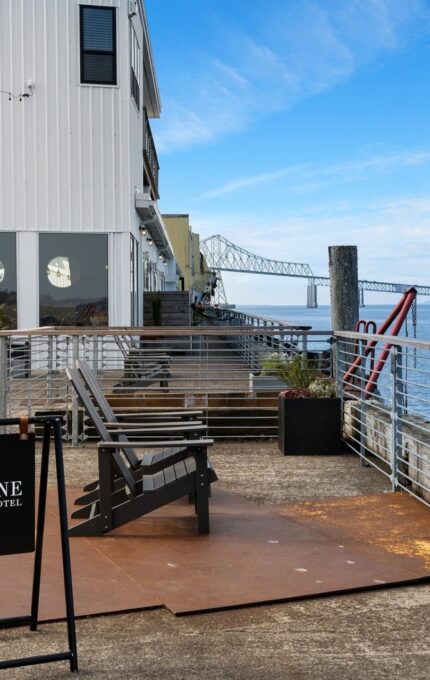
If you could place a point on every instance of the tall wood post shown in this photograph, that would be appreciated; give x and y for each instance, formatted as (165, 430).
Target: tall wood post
(344, 296)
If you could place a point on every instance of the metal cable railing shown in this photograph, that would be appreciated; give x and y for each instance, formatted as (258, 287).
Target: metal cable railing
(389, 428)
(224, 371)
(229, 372)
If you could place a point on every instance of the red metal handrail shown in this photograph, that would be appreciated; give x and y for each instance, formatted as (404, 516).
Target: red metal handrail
(399, 312)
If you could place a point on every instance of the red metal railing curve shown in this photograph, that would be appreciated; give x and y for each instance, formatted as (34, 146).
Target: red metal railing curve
(399, 312)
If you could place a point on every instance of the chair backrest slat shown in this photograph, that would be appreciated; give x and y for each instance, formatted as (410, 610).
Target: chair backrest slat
(102, 403)
(93, 386)
(84, 397)
(102, 431)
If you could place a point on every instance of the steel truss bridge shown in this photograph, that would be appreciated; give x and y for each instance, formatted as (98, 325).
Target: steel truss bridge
(224, 256)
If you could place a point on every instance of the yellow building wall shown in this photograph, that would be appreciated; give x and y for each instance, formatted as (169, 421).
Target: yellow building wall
(178, 228)
(200, 272)
(186, 247)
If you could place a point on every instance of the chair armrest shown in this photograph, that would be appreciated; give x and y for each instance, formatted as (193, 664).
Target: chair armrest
(159, 430)
(189, 443)
(160, 414)
(165, 423)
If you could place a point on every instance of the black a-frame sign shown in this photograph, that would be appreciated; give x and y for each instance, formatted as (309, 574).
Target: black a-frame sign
(17, 521)
(17, 497)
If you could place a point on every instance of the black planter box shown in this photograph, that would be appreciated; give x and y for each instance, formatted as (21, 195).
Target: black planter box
(309, 426)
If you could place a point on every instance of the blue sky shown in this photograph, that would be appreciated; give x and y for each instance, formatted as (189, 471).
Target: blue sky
(292, 125)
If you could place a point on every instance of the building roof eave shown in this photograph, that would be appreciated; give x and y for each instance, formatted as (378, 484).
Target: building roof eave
(151, 217)
(153, 104)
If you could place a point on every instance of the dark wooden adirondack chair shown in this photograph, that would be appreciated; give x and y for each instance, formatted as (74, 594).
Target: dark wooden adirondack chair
(124, 490)
(111, 418)
(104, 419)
(145, 493)
(142, 367)
(149, 462)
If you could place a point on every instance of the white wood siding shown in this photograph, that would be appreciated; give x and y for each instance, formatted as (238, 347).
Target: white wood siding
(70, 155)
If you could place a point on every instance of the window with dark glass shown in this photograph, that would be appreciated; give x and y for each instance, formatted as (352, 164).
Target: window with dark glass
(98, 45)
(73, 279)
(8, 317)
(135, 66)
(146, 272)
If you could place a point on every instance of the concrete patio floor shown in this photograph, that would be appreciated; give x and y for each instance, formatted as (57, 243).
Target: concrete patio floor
(373, 635)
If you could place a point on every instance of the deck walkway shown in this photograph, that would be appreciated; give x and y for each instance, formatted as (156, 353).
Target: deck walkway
(377, 635)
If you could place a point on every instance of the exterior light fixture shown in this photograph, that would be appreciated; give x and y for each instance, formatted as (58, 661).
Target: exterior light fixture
(160, 256)
(150, 241)
(164, 261)
(142, 229)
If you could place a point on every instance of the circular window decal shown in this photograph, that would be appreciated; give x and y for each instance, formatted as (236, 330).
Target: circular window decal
(60, 273)
(1, 271)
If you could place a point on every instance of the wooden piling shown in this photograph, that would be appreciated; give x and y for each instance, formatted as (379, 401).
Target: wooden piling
(344, 296)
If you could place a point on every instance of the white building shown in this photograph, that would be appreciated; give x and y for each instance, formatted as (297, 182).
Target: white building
(81, 235)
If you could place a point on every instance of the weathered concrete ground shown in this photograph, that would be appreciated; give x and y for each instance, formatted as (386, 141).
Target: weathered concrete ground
(375, 636)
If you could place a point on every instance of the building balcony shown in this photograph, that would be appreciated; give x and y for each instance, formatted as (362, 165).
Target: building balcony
(150, 158)
(151, 217)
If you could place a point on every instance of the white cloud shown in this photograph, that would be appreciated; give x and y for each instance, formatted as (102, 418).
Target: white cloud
(296, 50)
(393, 239)
(185, 128)
(246, 182)
(230, 73)
(309, 177)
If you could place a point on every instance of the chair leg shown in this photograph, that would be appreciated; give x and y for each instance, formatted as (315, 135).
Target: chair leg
(202, 490)
(106, 488)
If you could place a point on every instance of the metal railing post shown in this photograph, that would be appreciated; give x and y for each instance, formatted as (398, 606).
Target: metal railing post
(266, 337)
(75, 403)
(363, 430)
(255, 350)
(396, 414)
(335, 355)
(336, 350)
(304, 348)
(50, 368)
(3, 379)
(96, 342)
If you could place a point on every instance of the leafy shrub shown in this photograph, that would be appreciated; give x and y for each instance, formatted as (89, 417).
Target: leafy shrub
(273, 364)
(322, 388)
(295, 371)
(302, 380)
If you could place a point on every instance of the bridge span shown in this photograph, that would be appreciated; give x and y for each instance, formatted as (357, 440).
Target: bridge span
(224, 256)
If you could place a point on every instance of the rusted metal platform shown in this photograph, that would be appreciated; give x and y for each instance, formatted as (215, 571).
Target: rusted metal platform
(254, 554)
(391, 523)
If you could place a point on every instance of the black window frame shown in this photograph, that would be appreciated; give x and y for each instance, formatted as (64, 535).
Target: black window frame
(134, 77)
(9, 283)
(112, 53)
(87, 299)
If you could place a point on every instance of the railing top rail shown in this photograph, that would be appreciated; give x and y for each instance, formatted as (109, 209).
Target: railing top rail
(386, 339)
(268, 319)
(160, 331)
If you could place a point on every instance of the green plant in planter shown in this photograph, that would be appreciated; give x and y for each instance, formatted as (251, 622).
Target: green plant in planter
(322, 388)
(309, 415)
(295, 371)
(272, 364)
